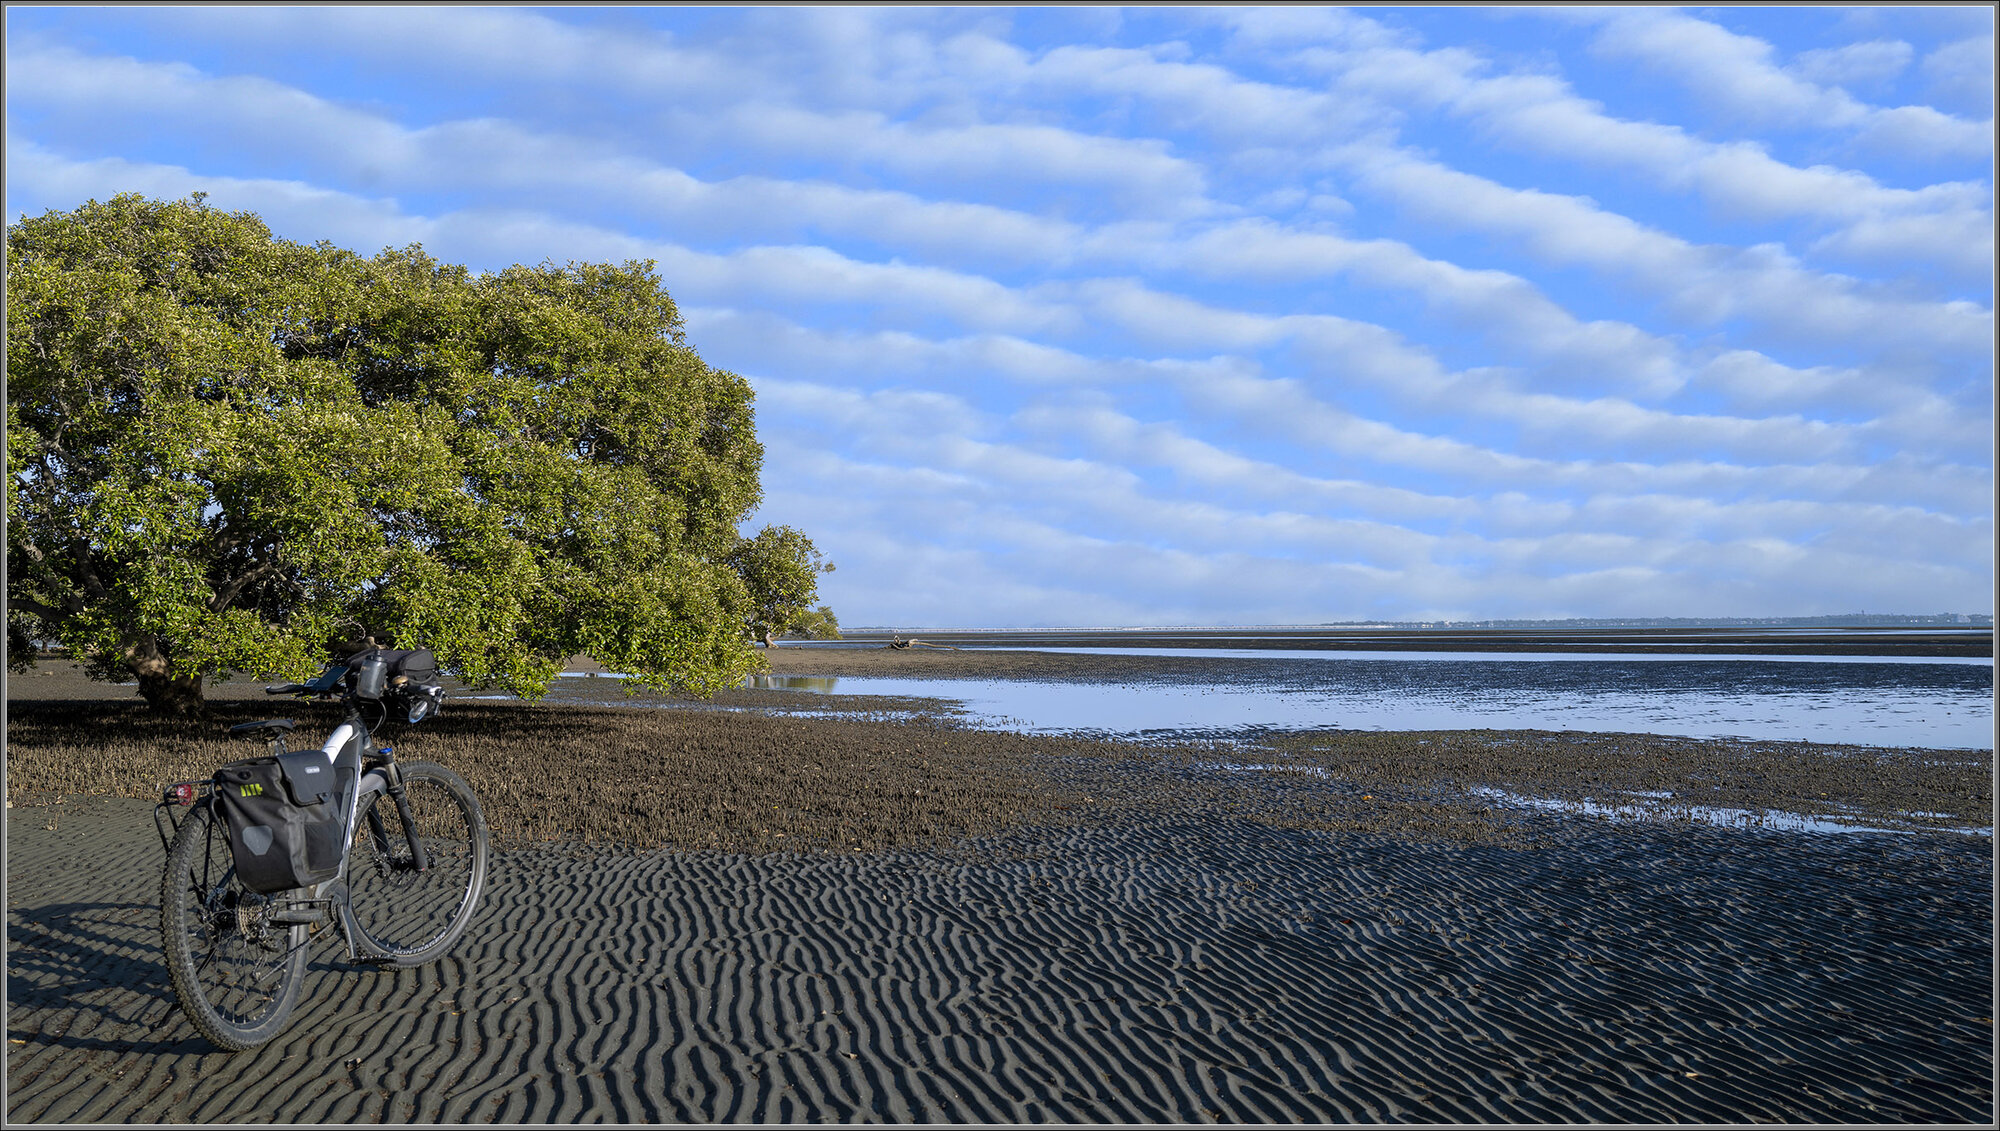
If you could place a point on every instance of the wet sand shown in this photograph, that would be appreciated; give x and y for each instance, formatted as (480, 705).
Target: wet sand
(1057, 930)
(1201, 969)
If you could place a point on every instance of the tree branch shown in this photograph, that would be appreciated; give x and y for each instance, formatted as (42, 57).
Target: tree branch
(225, 538)
(28, 605)
(92, 584)
(35, 556)
(227, 593)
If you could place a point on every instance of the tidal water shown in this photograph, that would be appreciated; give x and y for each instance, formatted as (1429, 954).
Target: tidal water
(1890, 701)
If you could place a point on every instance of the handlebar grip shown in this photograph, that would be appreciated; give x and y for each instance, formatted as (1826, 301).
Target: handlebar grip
(285, 689)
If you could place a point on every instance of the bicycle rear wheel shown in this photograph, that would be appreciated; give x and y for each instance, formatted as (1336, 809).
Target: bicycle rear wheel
(237, 974)
(406, 917)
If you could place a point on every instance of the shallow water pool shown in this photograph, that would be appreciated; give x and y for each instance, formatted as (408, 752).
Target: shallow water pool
(1945, 705)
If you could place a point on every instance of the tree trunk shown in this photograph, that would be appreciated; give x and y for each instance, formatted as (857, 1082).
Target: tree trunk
(169, 693)
(174, 695)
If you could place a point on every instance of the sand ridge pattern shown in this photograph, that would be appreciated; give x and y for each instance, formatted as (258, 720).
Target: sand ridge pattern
(1131, 967)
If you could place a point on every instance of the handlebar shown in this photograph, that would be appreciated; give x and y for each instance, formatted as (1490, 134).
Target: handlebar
(324, 686)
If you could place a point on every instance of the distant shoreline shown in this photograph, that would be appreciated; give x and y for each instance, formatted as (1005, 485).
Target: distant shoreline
(1970, 641)
(1862, 623)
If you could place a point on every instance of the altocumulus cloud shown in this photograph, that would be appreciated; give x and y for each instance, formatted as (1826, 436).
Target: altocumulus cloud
(1191, 316)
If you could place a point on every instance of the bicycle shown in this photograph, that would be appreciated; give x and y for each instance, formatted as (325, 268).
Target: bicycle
(391, 855)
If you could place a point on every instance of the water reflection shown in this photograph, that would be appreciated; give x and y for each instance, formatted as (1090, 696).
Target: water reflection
(1489, 657)
(1708, 814)
(1942, 706)
(822, 684)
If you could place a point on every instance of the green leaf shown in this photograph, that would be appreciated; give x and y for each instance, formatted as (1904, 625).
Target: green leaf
(226, 451)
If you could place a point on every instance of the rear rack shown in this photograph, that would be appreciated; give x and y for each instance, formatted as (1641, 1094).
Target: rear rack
(173, 796)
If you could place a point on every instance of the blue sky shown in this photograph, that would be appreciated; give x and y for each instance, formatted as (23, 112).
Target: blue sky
(1176, 316)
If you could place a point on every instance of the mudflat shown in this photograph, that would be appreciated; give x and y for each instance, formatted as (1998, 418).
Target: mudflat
(698, 915)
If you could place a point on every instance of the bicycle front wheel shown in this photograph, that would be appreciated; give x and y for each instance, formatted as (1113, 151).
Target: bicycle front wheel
(236, 973)
(402, 915)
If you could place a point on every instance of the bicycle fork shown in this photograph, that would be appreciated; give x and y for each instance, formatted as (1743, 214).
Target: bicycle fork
(338, 891)
(393, 774)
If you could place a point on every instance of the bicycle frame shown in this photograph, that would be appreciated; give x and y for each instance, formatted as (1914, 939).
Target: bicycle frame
(374, 774)
(237, 955)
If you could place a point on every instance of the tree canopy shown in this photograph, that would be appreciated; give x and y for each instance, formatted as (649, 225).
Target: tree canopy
(781, 568)
(228, 451)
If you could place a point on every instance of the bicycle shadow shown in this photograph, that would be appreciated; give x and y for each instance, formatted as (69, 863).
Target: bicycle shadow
(68, 960)
(105, 960)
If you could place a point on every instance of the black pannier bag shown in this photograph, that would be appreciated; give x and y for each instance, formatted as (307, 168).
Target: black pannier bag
(284, 819)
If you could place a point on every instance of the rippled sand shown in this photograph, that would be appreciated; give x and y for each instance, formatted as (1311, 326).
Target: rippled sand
(994, 927)
(1197, 970)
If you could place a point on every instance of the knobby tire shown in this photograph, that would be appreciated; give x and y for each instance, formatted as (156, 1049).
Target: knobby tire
(237, 988)
(405, 917)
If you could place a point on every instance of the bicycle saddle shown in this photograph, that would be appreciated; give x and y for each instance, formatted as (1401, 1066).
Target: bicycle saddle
(262, 728)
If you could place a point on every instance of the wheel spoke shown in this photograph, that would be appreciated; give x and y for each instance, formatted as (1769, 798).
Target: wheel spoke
(409, 916)
(234, 987)
(278, 964)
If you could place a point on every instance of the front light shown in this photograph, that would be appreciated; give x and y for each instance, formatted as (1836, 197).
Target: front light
(422, 703)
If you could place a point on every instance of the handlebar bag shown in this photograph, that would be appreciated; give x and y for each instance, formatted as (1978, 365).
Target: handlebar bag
(403, 671)
(284, 819)
(410, 688)
(418, 665)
